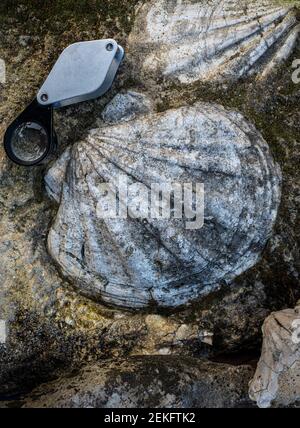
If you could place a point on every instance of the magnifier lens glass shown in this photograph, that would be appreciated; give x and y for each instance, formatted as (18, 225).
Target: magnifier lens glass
(29, 142)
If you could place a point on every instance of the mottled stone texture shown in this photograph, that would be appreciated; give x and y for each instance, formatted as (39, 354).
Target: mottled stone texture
(50, 327)
(127, 106)
(212, 40)
(164, 262)
(277, 379)
(148, 382)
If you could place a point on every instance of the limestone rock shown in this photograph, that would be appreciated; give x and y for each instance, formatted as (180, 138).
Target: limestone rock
(148, 382)
(215, 40)
(127, 106)
(155, 261)
(50, 327)
(277, 379)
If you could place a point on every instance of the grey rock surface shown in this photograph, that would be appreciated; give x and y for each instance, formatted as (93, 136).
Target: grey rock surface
(148, 382)
(215, 40)
(277, 380)
(127, 106)
(50, 326)
(138, 262)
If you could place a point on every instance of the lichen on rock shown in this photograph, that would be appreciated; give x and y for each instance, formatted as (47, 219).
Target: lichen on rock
(147, 382)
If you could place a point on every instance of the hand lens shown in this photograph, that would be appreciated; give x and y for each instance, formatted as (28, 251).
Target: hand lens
(30, 139)
(84, 71)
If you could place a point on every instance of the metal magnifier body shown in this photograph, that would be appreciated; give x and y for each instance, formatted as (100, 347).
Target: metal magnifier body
(84, 71)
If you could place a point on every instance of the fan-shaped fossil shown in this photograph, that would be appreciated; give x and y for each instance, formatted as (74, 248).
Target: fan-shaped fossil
(135, 263)
(212, 40)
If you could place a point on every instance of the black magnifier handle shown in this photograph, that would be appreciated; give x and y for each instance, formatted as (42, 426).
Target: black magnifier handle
(31, 138)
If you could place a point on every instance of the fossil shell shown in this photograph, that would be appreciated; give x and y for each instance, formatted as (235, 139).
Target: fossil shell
(212, 40)
(134, 263)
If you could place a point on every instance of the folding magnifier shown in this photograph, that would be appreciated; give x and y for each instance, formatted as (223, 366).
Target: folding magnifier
(84, 71)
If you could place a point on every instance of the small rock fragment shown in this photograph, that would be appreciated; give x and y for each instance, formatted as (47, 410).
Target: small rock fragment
(277, 379)
(127, 106)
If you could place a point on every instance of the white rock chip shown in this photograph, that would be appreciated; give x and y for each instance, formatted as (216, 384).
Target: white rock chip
(136, 263)
(3, 333)
(212, 40)
(2, 71)
(277, 379)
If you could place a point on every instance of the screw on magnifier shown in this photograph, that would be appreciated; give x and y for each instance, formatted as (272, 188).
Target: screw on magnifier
(44, 97)
(109, 47)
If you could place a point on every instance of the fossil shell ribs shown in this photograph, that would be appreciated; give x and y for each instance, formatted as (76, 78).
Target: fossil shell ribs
(131, 262)
(212, 40)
